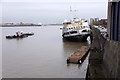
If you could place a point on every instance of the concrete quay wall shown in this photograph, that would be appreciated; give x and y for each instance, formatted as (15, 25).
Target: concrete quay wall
(104, 59)
(111, 59)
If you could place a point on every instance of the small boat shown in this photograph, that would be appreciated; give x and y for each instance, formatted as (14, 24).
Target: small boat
(15, 36)
(19, 35)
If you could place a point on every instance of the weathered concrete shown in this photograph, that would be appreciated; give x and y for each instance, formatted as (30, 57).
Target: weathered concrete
(111, 59)
(104, 60)
(95, 69)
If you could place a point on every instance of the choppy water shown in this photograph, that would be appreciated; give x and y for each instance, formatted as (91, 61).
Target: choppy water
(42, 55)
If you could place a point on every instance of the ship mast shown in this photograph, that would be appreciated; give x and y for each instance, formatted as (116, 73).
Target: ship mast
(72, 12)
(70, 9)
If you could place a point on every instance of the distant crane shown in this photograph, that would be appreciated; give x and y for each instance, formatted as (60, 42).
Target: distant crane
(72, 10)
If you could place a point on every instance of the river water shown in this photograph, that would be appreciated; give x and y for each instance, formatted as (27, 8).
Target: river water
(42, 55)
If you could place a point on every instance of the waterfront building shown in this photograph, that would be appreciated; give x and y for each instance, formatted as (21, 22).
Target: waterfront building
(98, 22)
(114, 20)
(96, 19)
(91, 20)
(103, 22)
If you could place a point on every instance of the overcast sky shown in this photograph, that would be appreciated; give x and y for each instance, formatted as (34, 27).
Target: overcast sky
(51, 11)
(54, 0)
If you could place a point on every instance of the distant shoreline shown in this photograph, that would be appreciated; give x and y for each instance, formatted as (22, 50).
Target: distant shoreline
(30, 25)
(18, 25)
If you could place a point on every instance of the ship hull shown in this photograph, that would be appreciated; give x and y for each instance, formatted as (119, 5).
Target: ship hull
(82, 37)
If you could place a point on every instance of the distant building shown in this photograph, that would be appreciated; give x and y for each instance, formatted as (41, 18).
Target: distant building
(8, 23)
(96, 19)
(114, 20)
(103, 22)
(91, 20)
(98, 22)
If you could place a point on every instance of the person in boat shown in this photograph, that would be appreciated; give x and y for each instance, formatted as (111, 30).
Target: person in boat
(18, 34)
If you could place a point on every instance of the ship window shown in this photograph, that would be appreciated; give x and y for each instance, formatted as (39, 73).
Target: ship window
(84, 31)
(73, 32)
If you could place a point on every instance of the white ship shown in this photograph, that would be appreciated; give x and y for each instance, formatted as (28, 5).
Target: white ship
(76, 29)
